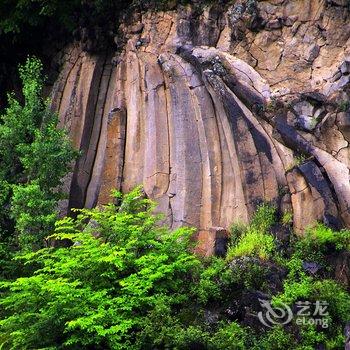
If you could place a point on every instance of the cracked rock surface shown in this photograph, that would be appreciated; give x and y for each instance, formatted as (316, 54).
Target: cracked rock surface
(216, 111)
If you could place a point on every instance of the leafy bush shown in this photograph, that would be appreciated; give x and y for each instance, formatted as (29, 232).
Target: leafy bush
(253, 243)
(121, 281)
(276, 339)
(287, 218)
(321, 235)
(264, 218)
(17, 16)
(98, 292)
(34, 156)
(303, 286)
(337, 312)
(295, 290)
(23, 14)
(34, 212)
(231, 336)
(237, 229)
(254, 240)
(318, 244)
(212, 280)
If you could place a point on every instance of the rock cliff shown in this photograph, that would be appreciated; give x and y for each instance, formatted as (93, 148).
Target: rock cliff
(215, 110)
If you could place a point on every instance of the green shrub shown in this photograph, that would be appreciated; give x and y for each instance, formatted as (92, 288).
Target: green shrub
(322, 235)
(276, 339)
(336, 296)
(254, 239)
(294, 291)
(264, 218)
(231, 336)
(300, 287)
(212, 280)
(237, 229)
(125, 282)
(34, 156)
(247, 273)
(99, 292)
(318, 242)
(191, 337)
(253, 243)
(34, 213)
(18, 16)
(287, 218)
(224, 335)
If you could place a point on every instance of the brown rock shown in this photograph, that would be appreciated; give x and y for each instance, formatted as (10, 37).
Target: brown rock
(137, 28)
(212, 242)
(274, 24)
(289, 21)
(306, 209)
(342, 268)
(188, 113)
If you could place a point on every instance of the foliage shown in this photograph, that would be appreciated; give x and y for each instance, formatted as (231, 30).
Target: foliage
(319, 241)
(34, 156)
(276, 339)
(34, 212)
(212, 280)
(338, 309)
(18, 15)
(227, 335)
(343, 106)
(320, 236)
(237, 229)
(116, 279)
(264, 218)
(316, 248)
(253, 243)
(253, 240)
(231, 336)
(298, 159)
(300, 285)
(20, 122)
(99, 291)
(287, 218)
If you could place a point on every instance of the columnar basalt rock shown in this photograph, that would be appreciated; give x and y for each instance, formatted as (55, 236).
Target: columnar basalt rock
(209, 109)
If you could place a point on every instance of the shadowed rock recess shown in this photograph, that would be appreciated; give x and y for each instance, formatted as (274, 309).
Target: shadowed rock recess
(215, 110)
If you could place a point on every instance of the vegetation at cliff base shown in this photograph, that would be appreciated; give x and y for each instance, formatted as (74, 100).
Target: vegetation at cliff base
(100, 292)
(126, 282)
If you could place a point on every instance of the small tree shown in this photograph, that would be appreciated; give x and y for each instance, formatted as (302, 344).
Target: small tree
(34, 156)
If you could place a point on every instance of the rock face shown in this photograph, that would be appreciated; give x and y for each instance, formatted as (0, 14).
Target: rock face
(215, 111)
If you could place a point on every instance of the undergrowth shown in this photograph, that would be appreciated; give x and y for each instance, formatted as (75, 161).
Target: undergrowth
(124, 282)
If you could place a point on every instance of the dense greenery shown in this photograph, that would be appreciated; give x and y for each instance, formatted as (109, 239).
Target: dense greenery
(100, 292)
(127, 283)
(17, 15)
(34, 156)
(255, 239)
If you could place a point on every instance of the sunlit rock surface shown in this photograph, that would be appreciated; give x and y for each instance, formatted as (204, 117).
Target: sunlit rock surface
(215, 111)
